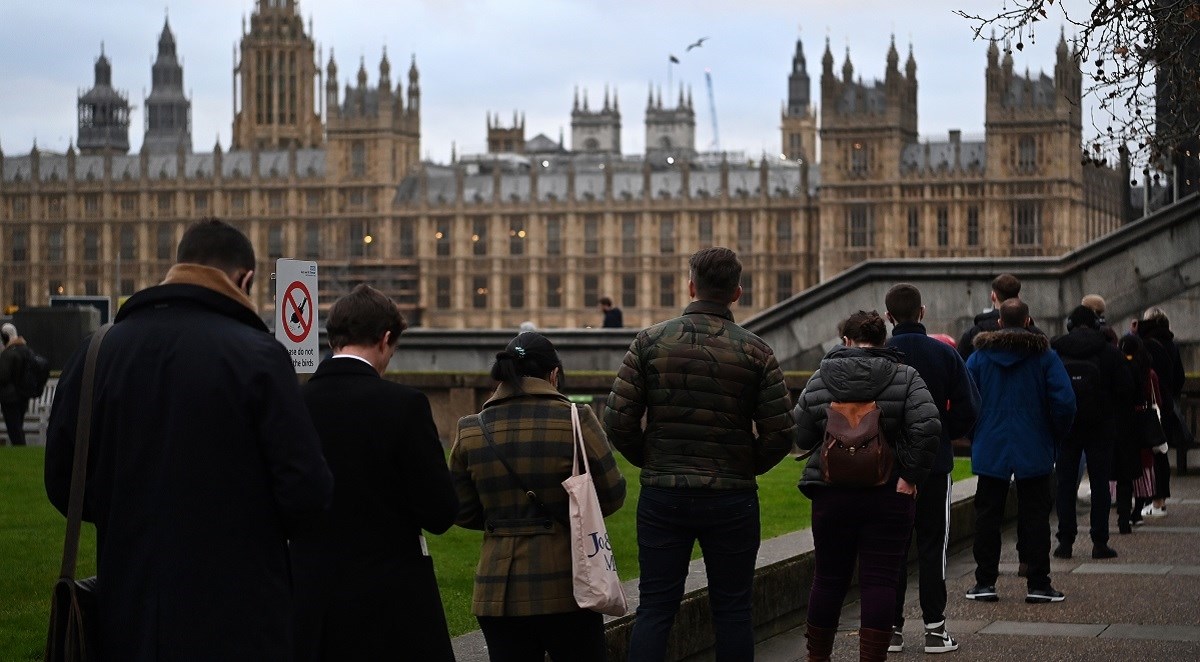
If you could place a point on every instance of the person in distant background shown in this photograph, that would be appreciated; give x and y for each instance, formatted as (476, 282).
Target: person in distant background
(13, 360)
(612, 315)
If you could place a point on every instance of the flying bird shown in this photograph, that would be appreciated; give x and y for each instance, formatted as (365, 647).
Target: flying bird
(699, 42)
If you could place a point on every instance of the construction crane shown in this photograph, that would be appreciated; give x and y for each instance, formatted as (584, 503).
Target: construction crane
(712, 110)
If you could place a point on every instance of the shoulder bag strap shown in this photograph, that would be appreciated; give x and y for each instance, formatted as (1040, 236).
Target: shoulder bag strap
(83, 432)
(487, 437)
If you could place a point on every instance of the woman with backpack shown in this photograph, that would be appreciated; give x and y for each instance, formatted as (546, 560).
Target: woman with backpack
(856, 522)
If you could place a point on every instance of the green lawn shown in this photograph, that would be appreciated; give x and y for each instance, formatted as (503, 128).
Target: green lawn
(31, 536)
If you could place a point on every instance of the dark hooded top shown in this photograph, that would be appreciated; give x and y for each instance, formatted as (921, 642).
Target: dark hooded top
(859, 374)
(1027, 404)
(1117, 392)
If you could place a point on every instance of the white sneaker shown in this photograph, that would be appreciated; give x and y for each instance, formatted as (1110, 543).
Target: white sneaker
(1152, 511)
(937, 640)
(896, 645)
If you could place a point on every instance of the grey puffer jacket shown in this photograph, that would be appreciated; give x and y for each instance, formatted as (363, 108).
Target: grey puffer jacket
(859, 374)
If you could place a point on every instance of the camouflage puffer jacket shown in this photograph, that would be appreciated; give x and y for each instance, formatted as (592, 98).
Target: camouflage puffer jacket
(704, 384)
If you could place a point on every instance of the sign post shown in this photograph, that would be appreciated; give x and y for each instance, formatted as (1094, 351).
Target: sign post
(296, 312)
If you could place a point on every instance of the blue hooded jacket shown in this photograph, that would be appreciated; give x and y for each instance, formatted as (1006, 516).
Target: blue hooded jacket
(1028, 404)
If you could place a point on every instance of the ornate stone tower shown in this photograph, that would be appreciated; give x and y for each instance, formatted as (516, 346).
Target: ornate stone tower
(598, 131)
(799, 121)
(1032, 124)
(277, 78)
(373, 136)
(506, 139)
(103, 114)
(864, 128)
(168, 111)
(670, 132)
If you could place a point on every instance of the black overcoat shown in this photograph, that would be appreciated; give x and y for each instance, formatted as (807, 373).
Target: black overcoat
(202, 462)
(365, 589)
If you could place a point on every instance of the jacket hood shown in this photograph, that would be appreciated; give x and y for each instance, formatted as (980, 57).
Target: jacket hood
(856, 374)
(1080, 343)
(1011, 346)
(1152, 329)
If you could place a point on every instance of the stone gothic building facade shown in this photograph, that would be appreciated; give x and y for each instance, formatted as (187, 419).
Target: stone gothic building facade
(329, 170)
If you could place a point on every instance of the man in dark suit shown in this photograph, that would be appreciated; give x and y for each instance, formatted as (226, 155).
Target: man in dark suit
(202, 463)
(365, 588)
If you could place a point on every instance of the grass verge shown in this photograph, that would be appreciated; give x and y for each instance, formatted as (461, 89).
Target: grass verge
(31, 537)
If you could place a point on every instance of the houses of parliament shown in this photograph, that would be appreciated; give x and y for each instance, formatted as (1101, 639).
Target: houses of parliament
(535, 229)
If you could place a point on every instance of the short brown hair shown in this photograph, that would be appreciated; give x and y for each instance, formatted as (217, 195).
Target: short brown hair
(716, 272)
(1006, 286)
(362, 317)
(1014, 313)
(215, 243)
(605, 301)
(903, 302)
(864, 327)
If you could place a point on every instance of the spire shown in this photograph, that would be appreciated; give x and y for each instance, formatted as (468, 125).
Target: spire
(331, 70)
(575, 105)
(166, 40)
(680, 104)
(413, 75)
(893, 58)
(847, 68)
(1062, 50)
(827, 59)
(585, 100)
(103, 68)
(385, 71)
(650, 97)
(362, 71)
(910, 66)
(689, 98)
(799, 64)
(606, 106)
(993, 52)
(616, 103)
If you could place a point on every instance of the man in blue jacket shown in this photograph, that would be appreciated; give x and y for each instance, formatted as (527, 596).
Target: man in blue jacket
(957, 401)
(1028, 407)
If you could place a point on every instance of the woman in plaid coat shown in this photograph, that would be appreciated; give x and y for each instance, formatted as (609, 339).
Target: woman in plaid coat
(524, 597)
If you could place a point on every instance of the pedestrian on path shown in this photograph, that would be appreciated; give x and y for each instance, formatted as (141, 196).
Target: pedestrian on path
(865, 526)
(957, 400)
(14, 361)
(1027, 409)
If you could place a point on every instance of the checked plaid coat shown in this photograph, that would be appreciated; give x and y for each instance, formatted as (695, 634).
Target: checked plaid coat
(525, 565)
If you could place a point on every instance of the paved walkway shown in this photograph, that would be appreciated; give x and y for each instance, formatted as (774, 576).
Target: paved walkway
(1143, 605)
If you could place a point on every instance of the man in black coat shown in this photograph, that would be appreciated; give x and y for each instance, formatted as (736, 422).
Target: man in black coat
(1004, 287)
(1103, 386)
(365, 588)
(203, 461)
(957, 401)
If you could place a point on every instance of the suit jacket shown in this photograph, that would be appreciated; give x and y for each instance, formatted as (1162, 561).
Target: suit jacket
(363, 582)
(525, 565)
(202, 463)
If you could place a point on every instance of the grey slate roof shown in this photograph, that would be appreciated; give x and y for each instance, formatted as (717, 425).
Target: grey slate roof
(1029, 92)
(857, 97)
(310, 163)
(939, 155)
(626, 184)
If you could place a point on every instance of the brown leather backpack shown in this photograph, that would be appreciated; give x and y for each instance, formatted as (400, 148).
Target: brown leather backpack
(855, 452)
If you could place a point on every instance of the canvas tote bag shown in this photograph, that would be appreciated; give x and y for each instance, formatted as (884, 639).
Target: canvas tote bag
(593, 566)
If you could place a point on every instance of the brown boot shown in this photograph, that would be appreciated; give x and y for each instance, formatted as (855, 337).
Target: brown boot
(873, 644)
(820, 643)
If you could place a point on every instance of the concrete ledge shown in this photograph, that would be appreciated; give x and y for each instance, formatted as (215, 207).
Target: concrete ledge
(784, 571)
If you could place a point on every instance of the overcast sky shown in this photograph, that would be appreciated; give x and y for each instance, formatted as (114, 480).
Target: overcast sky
(477, 56)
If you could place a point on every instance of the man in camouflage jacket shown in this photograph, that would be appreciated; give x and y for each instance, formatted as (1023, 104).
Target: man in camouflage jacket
(705, 386)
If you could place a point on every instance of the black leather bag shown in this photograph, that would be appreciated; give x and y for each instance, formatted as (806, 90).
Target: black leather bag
(1148, 427)
(72, 635)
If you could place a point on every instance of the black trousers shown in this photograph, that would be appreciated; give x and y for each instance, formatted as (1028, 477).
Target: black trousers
(568, 637)
(1034, 501)
(1099, 450)
(931, 528)
(14, 420)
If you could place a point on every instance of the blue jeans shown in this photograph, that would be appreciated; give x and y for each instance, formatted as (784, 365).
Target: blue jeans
(669, 522)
